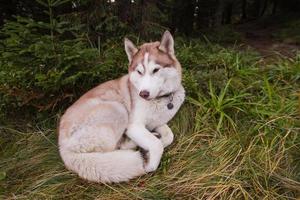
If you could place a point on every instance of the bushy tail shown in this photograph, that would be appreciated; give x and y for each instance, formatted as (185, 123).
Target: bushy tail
(115, 166)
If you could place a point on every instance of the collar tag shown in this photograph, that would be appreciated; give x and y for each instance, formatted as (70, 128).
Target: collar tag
(170, 105)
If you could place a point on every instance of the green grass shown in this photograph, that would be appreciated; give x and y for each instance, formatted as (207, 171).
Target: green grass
(236, 137)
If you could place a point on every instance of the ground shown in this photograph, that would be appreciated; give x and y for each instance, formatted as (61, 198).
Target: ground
(264, 37)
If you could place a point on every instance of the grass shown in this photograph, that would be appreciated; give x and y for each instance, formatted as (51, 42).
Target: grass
(236, 137)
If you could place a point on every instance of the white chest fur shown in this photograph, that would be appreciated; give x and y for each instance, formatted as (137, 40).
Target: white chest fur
(155, 113)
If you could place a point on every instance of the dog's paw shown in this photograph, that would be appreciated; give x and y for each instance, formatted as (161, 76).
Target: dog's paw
(150, 167)
(156, 135)
(144, 154)
(166, 135)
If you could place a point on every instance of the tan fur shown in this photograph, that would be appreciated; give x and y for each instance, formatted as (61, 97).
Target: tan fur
(160, 57)
(114, 90)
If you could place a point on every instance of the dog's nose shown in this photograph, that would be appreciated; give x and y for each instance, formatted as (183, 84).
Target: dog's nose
(144, 94)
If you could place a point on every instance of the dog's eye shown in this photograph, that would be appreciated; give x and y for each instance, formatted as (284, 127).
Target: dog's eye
(155, 70)
(140, 73)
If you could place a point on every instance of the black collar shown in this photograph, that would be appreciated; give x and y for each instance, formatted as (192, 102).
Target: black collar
(168, 95)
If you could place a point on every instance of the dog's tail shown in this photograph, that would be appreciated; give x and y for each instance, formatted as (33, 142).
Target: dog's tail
(105, 167)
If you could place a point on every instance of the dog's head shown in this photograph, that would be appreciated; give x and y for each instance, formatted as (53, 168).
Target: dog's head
(153, 68)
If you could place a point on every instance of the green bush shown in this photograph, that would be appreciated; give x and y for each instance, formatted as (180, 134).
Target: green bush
(41, 71)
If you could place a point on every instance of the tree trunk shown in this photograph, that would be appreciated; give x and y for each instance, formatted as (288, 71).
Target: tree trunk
(274, 9)
(219, 13)
(202, 15)
(142, 17)
(244, 10)
(228, 12)
(183, 16)
(264, 8)
(257, 8)
(123, 8)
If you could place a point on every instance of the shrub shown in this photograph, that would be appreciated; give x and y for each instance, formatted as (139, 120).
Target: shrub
(41, 71)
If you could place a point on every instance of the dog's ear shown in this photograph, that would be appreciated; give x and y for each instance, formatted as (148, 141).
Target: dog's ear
(130, 49)
(167, 43)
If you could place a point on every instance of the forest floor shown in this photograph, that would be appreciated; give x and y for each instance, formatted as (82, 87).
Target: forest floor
(264, 37)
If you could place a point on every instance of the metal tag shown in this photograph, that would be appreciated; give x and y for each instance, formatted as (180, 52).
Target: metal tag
(170, 106)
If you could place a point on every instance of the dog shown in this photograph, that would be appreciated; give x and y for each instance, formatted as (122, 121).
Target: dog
(99, 134)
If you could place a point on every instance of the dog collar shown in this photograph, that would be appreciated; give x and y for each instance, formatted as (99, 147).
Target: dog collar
(170, 96)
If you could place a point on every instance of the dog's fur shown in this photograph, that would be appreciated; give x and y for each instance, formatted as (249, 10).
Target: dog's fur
(92, 131)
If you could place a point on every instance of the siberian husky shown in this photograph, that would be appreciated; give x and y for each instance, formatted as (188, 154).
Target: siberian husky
(99, 134)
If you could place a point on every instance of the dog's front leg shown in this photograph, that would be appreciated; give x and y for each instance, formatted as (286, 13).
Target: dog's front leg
(146, 140)
(166, 134)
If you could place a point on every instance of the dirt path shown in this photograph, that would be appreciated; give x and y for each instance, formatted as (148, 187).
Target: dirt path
(261, 38)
